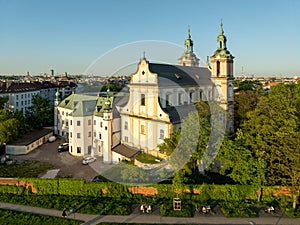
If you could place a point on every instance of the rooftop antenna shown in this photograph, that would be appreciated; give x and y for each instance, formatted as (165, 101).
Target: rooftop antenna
(243, 74)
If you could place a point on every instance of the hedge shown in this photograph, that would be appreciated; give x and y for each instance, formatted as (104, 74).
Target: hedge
(79, 187)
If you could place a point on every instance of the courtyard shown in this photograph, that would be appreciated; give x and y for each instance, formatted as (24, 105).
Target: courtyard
(57, 164)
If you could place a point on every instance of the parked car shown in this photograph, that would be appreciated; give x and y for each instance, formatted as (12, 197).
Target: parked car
(51, 138)
(100, 178)
(88, 160)
(64, 147)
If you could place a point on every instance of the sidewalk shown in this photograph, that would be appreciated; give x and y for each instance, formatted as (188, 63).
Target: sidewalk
(154, 218)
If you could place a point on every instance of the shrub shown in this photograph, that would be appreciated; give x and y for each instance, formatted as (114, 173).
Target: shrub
(146, 158)
(237, 209)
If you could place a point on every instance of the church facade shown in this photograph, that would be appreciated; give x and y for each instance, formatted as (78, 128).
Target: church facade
(161, 94)
(159, 97)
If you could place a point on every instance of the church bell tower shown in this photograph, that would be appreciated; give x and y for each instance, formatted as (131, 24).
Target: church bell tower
(188, 58)
(222, 77)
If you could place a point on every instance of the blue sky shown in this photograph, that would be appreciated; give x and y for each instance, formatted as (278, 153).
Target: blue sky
(68, 35)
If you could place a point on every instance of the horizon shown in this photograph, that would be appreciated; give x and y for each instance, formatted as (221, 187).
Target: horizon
(70, 36)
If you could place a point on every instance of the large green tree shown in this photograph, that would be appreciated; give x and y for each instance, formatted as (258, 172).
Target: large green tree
(266, 148)
(40, 113)
(241, 165)
(3, 100)
(10, 127)
(245, 101)
(272, 134)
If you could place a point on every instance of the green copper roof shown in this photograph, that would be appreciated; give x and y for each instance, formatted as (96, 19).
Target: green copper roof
(103, 106)
(221, 40)
(189, 43)
(81, 105)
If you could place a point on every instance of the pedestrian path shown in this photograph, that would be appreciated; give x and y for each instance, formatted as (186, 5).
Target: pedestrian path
(153, 218)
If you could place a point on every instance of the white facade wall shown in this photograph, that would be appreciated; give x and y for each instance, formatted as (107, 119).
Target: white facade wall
(82, 136)
(21, 101)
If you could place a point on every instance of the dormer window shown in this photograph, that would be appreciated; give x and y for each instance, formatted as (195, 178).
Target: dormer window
(177, 76)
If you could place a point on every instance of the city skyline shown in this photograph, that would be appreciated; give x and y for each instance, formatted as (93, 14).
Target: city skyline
(69, 36)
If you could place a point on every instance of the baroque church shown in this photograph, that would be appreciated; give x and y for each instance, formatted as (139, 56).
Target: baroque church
(159, 97)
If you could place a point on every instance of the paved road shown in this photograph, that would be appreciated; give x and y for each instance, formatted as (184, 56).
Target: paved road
(155, 218)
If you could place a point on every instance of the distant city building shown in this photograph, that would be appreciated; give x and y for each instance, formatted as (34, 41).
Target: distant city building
(20, 94)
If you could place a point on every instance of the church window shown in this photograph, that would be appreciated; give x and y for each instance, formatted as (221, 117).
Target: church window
(70, 134)
(78, 122)
(192, 96)
(90, 134)
(180, 100)
(126, 125)
(78, 149)
(218, 68)
(100, 136)
(142, 129)
(161, 134)
(167, 100)
(100, 124)
(89, 122)
(78, 135)
(143, 72)
(71, 122)
(209, 94)
(95, 122)
(143, 99)
(220, 44)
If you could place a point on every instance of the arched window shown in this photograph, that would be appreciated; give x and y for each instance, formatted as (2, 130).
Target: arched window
(167, 100)
(143, 99)
(218, 68)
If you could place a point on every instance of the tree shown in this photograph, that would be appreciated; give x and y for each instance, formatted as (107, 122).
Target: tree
(9, 127)
(272, 134)
(3, 100)
(40, 113)
(111, 87)
(169, 144)
(252, 85)
(245, 101)
(239, 163)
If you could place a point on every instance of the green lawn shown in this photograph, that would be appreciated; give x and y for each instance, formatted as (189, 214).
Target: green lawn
(29, 168)
(146, 158)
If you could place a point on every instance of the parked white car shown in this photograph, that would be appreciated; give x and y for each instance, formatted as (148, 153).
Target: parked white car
(52, 139)
(88, 160)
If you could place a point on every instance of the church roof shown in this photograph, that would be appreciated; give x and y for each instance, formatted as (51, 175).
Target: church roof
(168, 75)
(178, 113)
